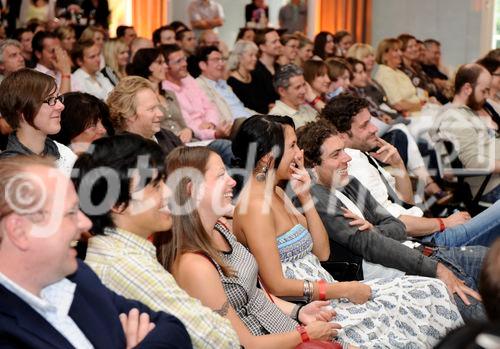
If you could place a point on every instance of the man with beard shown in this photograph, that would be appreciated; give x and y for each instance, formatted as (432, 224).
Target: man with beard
(476, 145)
(350, 116)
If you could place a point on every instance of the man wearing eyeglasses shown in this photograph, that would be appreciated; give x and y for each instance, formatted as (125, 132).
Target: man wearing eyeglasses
(211, 81)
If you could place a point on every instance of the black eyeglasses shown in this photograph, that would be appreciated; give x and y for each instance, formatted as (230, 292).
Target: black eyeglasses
(53, 100)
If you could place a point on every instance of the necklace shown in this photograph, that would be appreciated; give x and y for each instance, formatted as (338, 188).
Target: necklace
(246, 79)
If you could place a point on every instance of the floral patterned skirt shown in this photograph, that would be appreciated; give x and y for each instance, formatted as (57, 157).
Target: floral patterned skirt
(405, 312)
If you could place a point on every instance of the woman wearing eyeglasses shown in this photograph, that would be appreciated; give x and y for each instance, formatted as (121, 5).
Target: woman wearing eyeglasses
(30, 105)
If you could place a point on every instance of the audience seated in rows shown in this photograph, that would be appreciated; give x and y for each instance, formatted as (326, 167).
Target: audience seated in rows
(355, 220)
(288, 246)
(120, 252)
(350, 117)
(193, 255)
(199, 113)
(47, 297)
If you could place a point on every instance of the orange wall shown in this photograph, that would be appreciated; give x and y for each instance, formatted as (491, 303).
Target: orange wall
(351, 15)
(147, 15)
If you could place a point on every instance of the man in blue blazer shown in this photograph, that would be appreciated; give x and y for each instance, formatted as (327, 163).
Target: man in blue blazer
(48, 299)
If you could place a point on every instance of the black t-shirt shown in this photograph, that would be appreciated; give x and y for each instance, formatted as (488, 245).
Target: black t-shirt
(263, 81)
(433, 72)
(249, 94)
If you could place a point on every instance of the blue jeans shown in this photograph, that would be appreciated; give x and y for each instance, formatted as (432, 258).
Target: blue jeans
(492, 196)
(481, 230)
(465, 263)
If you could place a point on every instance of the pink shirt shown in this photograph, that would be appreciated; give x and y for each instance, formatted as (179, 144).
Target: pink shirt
(195, 105)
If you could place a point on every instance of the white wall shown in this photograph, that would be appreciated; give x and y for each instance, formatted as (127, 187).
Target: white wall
(458, 24)
(234, 12)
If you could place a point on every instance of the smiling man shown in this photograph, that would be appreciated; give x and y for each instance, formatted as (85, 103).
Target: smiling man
(49, 299)
(88, 77)
(355, 221)
(199, 113)
(211, 81)
(121, 252)
(290, 84)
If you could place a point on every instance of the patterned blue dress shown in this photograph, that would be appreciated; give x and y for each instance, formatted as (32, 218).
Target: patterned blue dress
(406, 312)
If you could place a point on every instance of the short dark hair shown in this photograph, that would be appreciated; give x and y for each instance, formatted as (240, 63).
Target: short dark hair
(429, 42)
(142, 60)
(260, 36)
(178, 25)
(81, 111)
(157, 34)
(80, 46)
(204, 51)
(265, 131)
(310, 139)
(18, 33)
(38, 39)
(489, 282)
(179, 36)
(119, 153)
(342, 109)
(121, 29)
(467, 73)
(491, 64)
(23, 92)
(167, 50)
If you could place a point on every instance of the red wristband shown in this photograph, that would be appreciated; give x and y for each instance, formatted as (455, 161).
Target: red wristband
(66, 76)
(322, 289)
(303, 333)
(442, 227)
(315, 101)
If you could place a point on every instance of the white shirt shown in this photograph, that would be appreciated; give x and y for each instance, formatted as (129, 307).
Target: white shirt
(201, 10)
(66, 159)
(53, 305)
(55, 74)
(300, 116)
(360, 168)
(100, 87)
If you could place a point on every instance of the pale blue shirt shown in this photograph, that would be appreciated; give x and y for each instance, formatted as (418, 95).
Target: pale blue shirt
(234, 103)
(53, 305)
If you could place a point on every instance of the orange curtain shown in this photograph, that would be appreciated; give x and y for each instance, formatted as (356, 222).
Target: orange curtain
(147, 15)
(355, 16)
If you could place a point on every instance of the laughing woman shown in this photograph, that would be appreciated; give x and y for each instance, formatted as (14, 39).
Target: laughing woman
(389, 313)
(208, 262)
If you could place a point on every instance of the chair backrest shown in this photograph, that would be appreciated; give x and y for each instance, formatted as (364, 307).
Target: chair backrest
(449, 164)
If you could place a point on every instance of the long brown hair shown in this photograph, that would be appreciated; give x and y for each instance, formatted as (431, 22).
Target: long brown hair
(188, 233)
